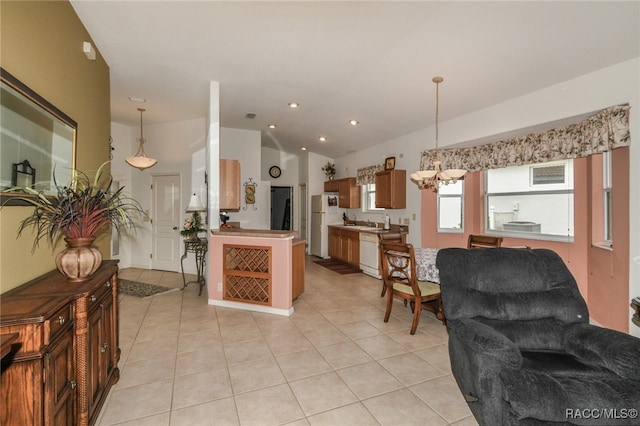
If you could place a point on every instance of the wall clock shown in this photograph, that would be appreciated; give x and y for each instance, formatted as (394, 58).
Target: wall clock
(275, 172)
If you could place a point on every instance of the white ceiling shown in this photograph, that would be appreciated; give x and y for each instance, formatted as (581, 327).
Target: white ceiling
(368, 60)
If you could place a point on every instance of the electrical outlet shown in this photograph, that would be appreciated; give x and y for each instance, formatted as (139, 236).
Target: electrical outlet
(219, 286)
(414, 216)
(406, 221)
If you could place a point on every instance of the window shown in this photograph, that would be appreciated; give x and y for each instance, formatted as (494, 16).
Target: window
(450, 207)
(531, 201)
(369, 198)
(607, 200)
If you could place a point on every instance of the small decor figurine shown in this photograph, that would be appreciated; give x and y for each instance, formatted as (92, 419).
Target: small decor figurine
(78, 211)
(192, 225)
(329, 170)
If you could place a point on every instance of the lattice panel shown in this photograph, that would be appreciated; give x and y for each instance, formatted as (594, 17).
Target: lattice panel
(247, 258)
(247, 289)
(247, 274)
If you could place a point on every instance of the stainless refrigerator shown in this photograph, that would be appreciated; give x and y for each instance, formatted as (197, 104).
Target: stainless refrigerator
(324, 212)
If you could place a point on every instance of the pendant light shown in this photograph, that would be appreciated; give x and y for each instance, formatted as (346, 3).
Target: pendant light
(432, 179)
(140, 160)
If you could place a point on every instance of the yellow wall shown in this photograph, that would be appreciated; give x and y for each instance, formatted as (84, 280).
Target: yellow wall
(41, 45)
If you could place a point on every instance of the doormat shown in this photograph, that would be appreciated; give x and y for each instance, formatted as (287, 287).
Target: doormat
(339, 267)
(143, 290)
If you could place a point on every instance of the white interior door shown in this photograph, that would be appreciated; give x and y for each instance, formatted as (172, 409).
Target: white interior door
(166, 223)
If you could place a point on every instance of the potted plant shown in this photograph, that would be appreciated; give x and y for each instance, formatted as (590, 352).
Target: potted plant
(77, 211)
(329, 170)
(192, 225)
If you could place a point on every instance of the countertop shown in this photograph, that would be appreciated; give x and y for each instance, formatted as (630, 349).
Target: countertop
(363, 228)
(255, 233)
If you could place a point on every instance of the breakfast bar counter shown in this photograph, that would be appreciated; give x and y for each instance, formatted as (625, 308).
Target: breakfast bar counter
(252, 269)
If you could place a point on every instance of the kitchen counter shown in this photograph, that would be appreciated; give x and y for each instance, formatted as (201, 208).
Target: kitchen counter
(256, 269)
(256, 233)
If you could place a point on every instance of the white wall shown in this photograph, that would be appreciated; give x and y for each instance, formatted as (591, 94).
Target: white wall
(244, 145)
(592, 92)
(315, 177)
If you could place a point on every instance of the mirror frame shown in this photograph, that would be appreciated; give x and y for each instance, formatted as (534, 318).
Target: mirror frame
(8, 199)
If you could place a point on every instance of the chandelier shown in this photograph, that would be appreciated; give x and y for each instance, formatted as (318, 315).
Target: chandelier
(432, 179)
(140, 160)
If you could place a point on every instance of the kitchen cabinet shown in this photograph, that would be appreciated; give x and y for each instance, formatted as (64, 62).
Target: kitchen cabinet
(332, 186)
(348, 193)
(344, 245)
(229, 184)
(64, 359)
(298, 268)
(391, 189)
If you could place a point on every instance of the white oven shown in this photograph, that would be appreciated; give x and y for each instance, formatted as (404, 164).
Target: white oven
(369, 254)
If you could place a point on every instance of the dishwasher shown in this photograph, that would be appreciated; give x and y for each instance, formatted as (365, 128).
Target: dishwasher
(369, 254)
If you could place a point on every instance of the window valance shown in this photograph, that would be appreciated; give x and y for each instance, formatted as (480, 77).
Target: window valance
(603, 131)
(367, 175)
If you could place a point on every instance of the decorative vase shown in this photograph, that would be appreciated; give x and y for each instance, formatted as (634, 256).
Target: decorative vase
(79, 260)
(330, 177)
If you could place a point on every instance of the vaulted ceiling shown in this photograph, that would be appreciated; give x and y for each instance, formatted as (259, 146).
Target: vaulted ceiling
(371, 61)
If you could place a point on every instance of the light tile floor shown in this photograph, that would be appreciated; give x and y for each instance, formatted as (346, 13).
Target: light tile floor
(333, 362)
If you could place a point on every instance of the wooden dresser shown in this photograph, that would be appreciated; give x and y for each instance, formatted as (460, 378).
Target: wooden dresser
(65, 357)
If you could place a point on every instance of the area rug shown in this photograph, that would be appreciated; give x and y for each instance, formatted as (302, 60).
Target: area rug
(143, 290)
(337, 266)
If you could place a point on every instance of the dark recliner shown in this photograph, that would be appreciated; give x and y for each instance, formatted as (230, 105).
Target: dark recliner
(521, 347)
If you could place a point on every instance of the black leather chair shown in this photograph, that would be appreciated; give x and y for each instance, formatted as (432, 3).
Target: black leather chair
(521, 347)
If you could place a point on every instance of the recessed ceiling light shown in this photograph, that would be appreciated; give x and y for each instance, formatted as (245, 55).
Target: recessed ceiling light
(134, 99)
(354, 122)
(322, 139)
(304, 148)
(294, 104)
(272, 126)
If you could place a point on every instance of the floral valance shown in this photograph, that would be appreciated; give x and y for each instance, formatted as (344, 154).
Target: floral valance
(367, 175)
(603, 131)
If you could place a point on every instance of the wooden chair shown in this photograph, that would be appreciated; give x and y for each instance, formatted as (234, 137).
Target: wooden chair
(398, 274)
(483, 241)
(391, 236)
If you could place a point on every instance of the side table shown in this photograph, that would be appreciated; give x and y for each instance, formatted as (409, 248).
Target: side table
(199, 246)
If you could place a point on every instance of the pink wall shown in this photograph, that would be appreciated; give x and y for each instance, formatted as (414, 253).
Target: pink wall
(602, 275)
(281, 264)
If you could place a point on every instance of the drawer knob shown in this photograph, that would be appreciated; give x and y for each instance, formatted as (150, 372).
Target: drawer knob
(73, 384)
(108, 284)
(61, 320)
(104, 347)
(93, 298)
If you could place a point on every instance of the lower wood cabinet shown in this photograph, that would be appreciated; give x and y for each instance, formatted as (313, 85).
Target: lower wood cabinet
(344, 245)
(298, 268)
(65, 358)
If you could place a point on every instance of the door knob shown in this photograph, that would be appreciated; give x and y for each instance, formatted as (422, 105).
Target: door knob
(175, 228)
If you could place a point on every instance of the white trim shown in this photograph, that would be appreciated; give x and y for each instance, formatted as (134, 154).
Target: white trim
(252, 307)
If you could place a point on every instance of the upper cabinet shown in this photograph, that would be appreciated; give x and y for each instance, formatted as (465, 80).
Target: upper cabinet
(332, 186)
(348, 193)
(229, 184)
(391, 189)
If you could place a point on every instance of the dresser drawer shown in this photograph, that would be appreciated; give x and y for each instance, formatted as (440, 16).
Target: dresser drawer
(99, 293)
(59, 321)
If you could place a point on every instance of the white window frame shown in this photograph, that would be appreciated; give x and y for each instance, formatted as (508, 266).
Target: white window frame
(451, 196)
(540, 189)
(607, 204)
(369, 193)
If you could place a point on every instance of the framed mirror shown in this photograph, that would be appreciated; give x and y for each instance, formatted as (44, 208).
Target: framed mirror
(34, 136)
